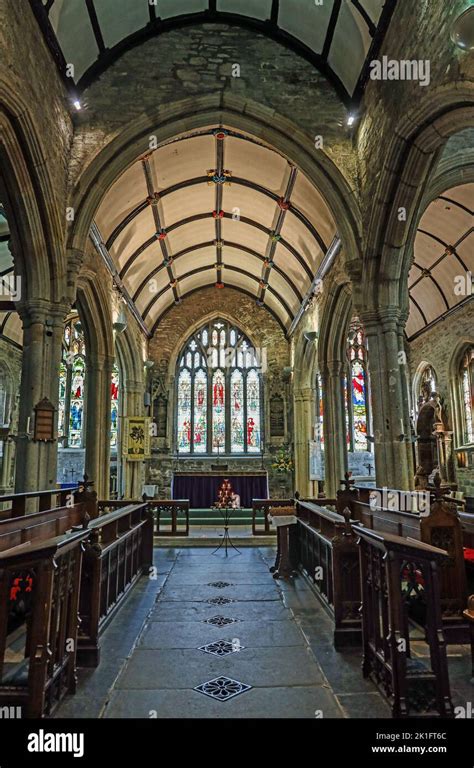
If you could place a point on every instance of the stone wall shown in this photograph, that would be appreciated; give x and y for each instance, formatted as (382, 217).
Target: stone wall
(438, 346)
(264, 332)
(198, 60)
(32, 74)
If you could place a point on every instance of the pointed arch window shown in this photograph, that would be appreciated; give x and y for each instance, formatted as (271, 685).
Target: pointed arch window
(357, 390)
(72, 375)
(467, 395)
(219, 393)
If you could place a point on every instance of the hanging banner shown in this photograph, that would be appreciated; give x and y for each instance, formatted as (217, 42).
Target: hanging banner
(136, 438)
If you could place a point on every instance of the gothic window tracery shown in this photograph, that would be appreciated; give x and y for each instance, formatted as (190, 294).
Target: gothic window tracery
(219, 400)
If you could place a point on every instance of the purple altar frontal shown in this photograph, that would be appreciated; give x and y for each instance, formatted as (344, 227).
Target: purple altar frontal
(201, 488)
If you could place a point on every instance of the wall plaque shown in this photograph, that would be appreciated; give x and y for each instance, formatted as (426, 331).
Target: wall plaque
(44, 421)
(277, 416)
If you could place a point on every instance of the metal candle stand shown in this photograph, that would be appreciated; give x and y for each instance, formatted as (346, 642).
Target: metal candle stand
(224, 505)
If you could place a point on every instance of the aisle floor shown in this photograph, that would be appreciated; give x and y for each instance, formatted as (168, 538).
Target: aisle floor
(272, 642)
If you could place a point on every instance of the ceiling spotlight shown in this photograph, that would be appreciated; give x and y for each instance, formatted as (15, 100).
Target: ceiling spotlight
(311, 336)
(77, 105)
(350, 120)
(462, 31)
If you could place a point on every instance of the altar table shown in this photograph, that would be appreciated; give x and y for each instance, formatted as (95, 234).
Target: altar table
(201, 487)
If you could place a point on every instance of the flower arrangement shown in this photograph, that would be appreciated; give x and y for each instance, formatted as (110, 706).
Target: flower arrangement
(283, 461)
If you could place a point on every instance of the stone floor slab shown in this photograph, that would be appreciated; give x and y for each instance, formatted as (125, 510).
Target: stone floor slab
(262, 667)
(301, 702)
(251, 634)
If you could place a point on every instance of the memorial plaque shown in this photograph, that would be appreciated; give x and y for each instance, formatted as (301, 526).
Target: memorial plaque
(44, 421)
(277, 416)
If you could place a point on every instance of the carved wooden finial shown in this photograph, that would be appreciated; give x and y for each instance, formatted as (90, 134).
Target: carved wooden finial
(346, 513)
(347, 482)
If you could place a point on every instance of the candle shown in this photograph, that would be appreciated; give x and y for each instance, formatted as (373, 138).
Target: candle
(28, 424)
(402, 428)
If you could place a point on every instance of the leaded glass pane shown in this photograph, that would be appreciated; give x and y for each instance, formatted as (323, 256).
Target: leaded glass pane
(62, 399)
(468, 396)
(200, 412)
(218, 411)
(77, 403)
(184, 411)
(114, 402)
(237, 412)
(253, 411)
(359, 407)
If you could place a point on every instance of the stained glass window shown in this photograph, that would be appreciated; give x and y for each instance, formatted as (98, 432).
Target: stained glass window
(237, 412)
(467, 392)
(114, 406)
(200, 411)
(253, 411)
(72, 375)
(356, 390)
(218, 393)
(319, 436)
(184, 411)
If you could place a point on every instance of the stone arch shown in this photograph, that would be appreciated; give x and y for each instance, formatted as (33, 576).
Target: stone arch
(335, 318)
(93, 305)
(36, 225)
(412, 155)
(177, 118)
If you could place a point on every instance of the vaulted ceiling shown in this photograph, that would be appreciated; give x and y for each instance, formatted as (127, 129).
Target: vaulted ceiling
(335, 35)
(443, 253)
(215, 208)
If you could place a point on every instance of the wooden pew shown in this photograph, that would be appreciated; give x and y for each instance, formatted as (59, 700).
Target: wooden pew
(439, 526)
(48, 670)
(328, 554)
(118, 551)
(19, 504)
(177, 510)
(391, 568)
(42, 525)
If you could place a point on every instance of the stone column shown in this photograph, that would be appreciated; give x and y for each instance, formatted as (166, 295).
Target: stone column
(43, 325)
(390, 411)
(304, 400)
(97, 422)
(334, 425)
(133, 471)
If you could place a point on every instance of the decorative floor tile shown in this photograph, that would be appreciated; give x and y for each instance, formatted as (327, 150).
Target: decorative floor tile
(220, 621)
(222, 647)
(219, 584)
(220, 601)
(222, 688)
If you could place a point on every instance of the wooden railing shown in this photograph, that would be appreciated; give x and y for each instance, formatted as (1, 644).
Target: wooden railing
(176, 511)
(38, 683)
(119, 550)
(326, 551)
(19, 504)
(392, 569)
(261, 508)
